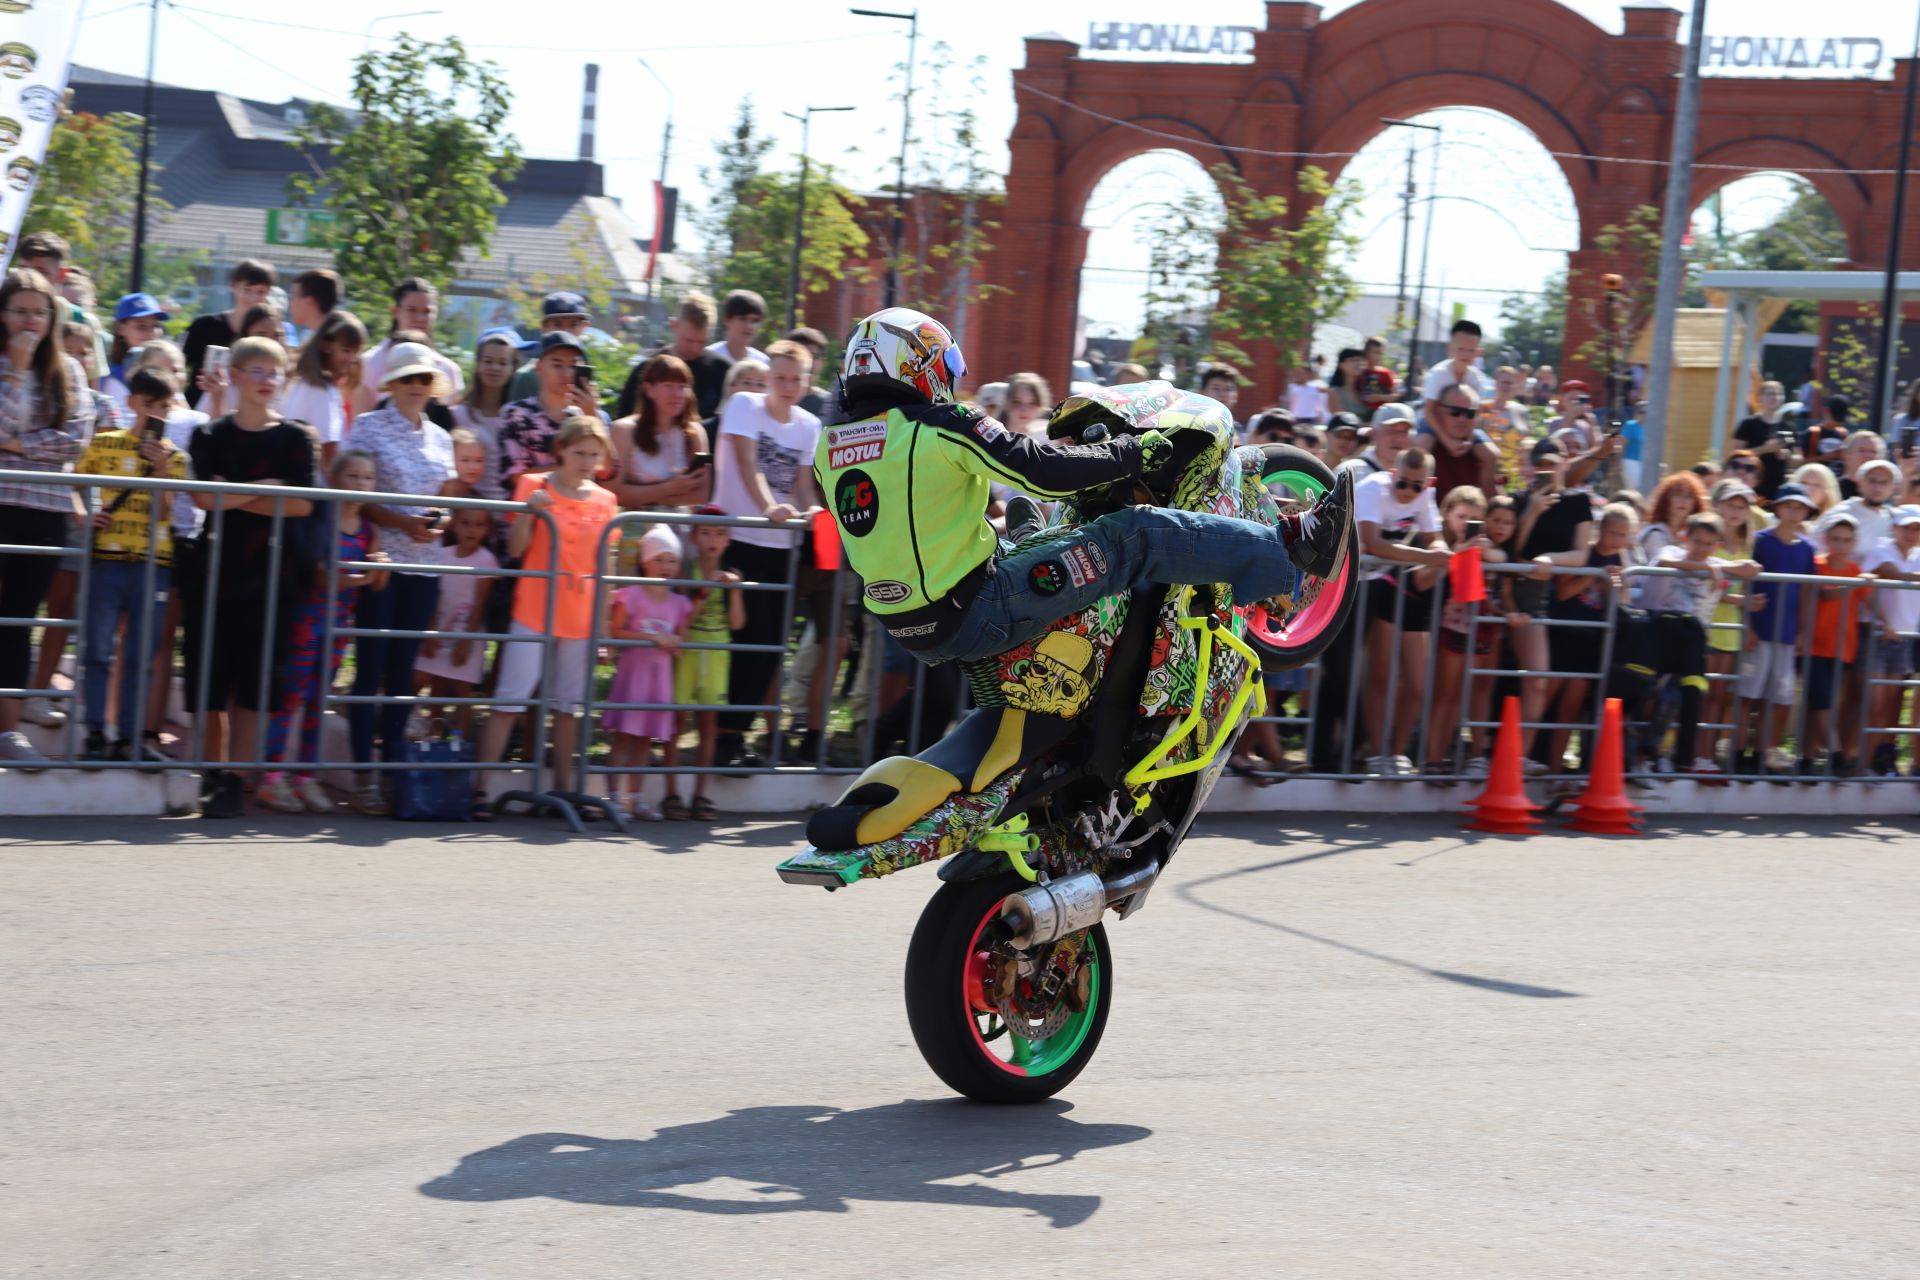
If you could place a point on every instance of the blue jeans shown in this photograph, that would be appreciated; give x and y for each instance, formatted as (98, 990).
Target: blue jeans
(1036, 586)
(384, 664)
(116, 589)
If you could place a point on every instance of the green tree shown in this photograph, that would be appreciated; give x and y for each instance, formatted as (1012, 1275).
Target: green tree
(87, 193)
(1803, 236)
(414, 173)
(1267, 279)
(1533, 326)
(722, 221)
(762, 229)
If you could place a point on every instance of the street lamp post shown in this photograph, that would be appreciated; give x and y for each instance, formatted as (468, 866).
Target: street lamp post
(137, 269)
(666, 149)
(366, 44)
(1890, 300)
(906, 127)
(800, 209)
(1406, 228)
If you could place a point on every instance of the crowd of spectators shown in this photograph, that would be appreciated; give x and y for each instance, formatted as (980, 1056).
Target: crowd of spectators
(206, 617)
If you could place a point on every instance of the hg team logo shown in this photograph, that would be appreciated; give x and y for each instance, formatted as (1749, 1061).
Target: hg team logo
(17, 60)
(21, 172)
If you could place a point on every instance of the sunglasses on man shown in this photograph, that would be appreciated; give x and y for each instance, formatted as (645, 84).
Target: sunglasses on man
(1403, 485)
(1459, 411)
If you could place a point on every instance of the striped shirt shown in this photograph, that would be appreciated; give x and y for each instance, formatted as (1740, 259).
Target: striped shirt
(43, 446)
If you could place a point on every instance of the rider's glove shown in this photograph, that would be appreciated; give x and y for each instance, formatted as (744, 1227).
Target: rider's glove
(1164, 459)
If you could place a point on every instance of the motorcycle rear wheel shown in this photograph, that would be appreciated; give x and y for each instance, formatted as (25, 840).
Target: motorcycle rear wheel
(957, 1040)
(1302, 635)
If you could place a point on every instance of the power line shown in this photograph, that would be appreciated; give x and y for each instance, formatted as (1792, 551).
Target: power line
(536, 48)
(324, 93)
(1347, 155)
(137, 4)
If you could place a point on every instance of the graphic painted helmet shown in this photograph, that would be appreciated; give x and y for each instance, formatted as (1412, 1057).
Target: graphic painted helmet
(907, 347)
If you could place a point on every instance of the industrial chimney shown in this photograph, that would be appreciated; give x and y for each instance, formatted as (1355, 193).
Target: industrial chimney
(589, 108)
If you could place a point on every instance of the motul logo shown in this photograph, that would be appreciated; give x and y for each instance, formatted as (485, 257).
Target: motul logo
(853, 455)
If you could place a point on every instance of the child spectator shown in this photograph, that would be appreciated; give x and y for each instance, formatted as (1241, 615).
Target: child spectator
(137, 320)
(656, 616)
(1583, 598)
(1458, 633)
(480, 410)
(126, 530)
(579, 510)
(230, 633)
(469, 465)
(1502, 526)
(313, 394)
(1834, 651)
(249, 283)
(1896, 558)
(307, 678)
(1676, 500)
(1778, 628)
(452, 666)
(1680, 609)
(1397, 520)
(700, 675)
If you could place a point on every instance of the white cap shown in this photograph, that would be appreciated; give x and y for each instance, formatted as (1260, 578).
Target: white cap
(1906, 515)
(659, 538)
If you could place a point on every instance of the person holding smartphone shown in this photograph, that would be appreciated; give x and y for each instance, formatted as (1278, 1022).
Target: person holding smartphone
(661, 461)
(527, 427)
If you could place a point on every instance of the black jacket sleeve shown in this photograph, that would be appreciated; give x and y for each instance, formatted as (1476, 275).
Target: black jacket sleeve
(974, 442)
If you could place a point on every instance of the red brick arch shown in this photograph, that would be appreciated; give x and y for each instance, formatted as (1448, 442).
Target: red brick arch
(1603, 102)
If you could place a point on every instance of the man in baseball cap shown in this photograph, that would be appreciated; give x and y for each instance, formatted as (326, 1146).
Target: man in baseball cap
(562, 311)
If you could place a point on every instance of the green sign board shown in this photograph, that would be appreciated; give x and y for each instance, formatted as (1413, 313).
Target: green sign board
(312, 228)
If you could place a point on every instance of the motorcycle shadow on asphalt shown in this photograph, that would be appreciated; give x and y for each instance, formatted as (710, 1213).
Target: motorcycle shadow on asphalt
(808, 1158)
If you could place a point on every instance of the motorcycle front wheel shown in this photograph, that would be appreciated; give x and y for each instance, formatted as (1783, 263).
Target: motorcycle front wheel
(966, 1043)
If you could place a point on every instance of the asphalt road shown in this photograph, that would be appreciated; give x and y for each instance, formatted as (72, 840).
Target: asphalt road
(1376, 1049)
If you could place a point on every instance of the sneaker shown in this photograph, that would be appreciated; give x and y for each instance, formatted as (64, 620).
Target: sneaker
(1660, 765)
(1477, 767)
(148, 752)
(1024, 518)
(16, 752)
(643, 811)
(1781, 760)
(419, 725)
(313, 795)
(96, 747)
(1384, 766)
(1746, 763)
(1320, 546)
(225, 796)
(1533, 768)
(370, 800)
(1702, 764)
(278, 793)
(44, 712)
(1846, 767)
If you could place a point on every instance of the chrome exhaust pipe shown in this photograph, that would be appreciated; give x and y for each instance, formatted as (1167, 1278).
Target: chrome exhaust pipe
(1048, 912)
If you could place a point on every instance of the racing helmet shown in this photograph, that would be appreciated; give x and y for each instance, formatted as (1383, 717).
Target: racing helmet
(905, 347)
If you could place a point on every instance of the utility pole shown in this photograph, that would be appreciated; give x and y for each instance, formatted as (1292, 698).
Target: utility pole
(666, 149)
(1426, 245)
(137, 269)
(906, 128)
(800, 210)
(1673, 229)
(1890, 296)
(1406, 226)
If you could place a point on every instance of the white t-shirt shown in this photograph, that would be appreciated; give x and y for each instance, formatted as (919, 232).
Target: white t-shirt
(753, 353)
(1440, 377)
(1899, 606)
(181, 424)
(1374, 500)
(373, 367)
(782, 452)
(1875, 524)
(321, 408)
(1307, 401)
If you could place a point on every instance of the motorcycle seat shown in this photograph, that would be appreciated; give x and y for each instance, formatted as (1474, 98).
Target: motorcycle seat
(893, 794)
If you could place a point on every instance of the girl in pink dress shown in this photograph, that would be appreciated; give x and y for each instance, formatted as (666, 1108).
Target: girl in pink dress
(657, 617)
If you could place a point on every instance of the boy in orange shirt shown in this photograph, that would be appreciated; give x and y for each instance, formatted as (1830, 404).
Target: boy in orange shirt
(579, 511)
(1830, 665)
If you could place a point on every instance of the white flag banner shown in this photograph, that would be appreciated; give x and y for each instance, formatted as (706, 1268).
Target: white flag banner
(36, 42)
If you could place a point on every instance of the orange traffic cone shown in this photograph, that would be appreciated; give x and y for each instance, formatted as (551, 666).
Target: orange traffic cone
(1503, 807)
(1603, 808)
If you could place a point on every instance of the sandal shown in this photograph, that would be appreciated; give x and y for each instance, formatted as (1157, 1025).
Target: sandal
(703, 810)
(482, 807)
(673, 810)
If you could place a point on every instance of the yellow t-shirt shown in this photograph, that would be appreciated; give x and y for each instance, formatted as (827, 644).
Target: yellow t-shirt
(117, 453)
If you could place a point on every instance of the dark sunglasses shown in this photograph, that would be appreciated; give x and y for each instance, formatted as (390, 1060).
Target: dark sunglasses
(1743, 465)
(1459, 411)
(416, 380)
(1403, 485)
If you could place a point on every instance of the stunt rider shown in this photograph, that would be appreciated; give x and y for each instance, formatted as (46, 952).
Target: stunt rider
(907, 477)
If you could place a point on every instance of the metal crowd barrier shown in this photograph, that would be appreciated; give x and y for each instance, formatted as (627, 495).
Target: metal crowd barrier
(1328, 699)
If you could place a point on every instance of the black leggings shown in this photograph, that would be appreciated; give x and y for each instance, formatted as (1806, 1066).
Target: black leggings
(24, 582)
(750, 674)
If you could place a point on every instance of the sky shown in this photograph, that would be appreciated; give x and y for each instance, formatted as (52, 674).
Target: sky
(787, 56)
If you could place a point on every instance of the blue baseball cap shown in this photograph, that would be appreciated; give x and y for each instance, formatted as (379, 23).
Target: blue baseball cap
(137, 305)
(563, 303)
(506, 333)
(1794, 493)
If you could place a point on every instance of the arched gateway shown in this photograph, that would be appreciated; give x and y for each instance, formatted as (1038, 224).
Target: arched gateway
(1602, 103)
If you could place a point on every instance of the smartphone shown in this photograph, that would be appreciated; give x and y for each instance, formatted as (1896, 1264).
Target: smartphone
(583, 376)
(216, 360)
(699, 461)
(437, 518)
(153, 429)
(1474, 527)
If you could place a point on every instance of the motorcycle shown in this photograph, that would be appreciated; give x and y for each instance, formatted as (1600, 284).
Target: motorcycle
(1091, 749)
